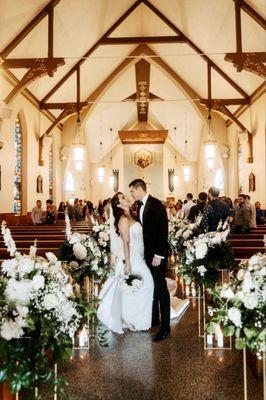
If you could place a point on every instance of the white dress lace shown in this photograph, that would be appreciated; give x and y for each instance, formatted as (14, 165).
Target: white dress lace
(118, 309)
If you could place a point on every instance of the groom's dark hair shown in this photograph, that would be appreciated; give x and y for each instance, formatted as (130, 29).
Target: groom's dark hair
(138, 183)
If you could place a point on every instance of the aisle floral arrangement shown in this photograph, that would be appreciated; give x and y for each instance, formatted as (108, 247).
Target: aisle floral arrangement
(204, 255)
(241, 305)
(180, 231)
(86, 255)
(39, 314)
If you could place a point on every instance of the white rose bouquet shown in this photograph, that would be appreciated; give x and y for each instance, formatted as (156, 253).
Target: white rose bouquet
(204, 255)
(131, 283)
(38, 313)
(180, 231)
(240, 305)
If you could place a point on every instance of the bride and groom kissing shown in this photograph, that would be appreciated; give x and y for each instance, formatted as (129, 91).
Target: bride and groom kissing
(139, 246)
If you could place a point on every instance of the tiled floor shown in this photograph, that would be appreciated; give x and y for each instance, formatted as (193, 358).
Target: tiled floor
(135, 368)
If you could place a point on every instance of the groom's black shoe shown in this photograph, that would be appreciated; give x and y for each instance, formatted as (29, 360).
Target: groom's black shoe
(161, 335)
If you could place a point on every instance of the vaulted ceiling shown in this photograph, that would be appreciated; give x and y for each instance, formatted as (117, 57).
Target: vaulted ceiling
(79, 24)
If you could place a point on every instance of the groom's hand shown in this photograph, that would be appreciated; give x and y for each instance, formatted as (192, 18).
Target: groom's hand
(156, 261)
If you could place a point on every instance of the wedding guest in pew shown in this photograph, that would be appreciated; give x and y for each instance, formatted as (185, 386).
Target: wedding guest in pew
(70, 210)
(37, 214)
(76, 214)
(171, 209)
(178, 206)
(253, 223)
(88, 213)
(51, 213)
(187, 205)
(259, 214)
(231, 208)
(243, 216)
(61, 210)
(198, 208)
(214, 211)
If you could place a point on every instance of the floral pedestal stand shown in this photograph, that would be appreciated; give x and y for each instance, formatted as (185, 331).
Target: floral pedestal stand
(245, 374)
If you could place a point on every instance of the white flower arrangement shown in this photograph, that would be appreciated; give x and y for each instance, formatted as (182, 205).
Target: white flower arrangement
(241, 305)
(131, 283)
(180, 231)
(204, 254)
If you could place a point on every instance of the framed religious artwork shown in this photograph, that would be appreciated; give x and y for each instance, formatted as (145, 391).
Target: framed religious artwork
(143, 158)
(251, 182)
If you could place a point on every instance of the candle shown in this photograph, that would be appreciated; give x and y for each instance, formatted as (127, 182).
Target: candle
(187, 290)
(96, 290)
(193, 292)
(220, 340)
(83, 338)
(210, 339)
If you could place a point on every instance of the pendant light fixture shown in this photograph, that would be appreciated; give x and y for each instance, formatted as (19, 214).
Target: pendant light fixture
(101, 168)
(209, 143)
(186, 167)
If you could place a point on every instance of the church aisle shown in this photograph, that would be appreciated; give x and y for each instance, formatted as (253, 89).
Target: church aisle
(134, 368)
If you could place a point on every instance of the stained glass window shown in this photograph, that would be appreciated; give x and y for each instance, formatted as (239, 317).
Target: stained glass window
(51, 172)
(18, 167)
(240, 167)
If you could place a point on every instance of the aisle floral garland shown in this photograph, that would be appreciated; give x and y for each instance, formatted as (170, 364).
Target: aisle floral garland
(203, 254)
(241, 305)
(39, 313)
(181, 230)
(87, 255)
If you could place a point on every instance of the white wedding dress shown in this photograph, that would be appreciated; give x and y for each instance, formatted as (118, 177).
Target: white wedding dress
(117, 309)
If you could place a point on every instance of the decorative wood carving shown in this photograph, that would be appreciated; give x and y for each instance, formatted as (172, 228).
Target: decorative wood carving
(142, 70)
(143, 136)
(251, 62)
(38, 67)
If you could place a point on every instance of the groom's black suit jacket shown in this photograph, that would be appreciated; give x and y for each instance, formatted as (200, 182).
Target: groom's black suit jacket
(155, 229)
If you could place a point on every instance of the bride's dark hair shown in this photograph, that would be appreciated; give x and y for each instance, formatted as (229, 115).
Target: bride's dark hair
(117, 211)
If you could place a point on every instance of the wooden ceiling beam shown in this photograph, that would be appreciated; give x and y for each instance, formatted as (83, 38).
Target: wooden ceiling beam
(90, 51)
(195, 48)
(142, 39)
(31, 25)
(224, 102)
(63, 106)
(252, 13)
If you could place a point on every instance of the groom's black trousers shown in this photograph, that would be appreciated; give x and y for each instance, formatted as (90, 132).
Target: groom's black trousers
(161, 297)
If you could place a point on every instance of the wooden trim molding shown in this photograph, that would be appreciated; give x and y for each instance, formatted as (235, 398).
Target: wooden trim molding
(143, 136)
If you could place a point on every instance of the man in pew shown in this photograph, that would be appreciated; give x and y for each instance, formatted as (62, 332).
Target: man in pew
(243, 216)
(37, 215)
(214, 211)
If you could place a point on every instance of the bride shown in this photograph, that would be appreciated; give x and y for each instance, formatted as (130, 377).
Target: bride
(119, 309)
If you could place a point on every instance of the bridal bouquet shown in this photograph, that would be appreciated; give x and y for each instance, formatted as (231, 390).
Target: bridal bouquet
(39, 313)
(241, 307)
(205, 254)
(180, 231)
(131, 283)
(85, 255)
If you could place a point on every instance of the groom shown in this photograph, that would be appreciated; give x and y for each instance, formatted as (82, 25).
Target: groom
(152, 215)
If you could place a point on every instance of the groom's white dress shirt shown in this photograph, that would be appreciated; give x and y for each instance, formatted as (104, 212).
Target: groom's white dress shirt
(141, 210)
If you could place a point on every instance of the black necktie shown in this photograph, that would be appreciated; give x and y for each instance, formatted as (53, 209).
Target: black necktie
(141, 203)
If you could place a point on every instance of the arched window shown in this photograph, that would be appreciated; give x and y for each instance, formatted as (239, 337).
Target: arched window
(51, 172)
(18, 168)
(240, 167)
(219, 181)
(69, 182)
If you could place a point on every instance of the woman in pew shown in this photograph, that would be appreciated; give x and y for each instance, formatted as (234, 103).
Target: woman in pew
(51, 213)
(61, 210)
(259, 214)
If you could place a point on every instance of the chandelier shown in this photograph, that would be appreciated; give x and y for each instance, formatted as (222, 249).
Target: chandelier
(209, 143)
(79, 145)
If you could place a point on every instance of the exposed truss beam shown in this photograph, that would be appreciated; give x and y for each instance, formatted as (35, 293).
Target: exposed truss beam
(91, 50)
(31, 25)
(196, 48)
(224, 102)
(142, 39)
(252, 13)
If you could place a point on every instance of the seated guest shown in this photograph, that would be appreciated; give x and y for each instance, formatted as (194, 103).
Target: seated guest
(187, 206)
(50, 212)
(61, 210)
(214, 211)
(259, 214)
(253, 223)
(37, 216)
(243, 216)
(197, 209)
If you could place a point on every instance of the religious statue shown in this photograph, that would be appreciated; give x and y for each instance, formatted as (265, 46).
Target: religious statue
(39, 184)
(251, 182)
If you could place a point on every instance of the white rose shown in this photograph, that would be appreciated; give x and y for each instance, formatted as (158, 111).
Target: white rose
(18, 291)
(23, 311)
(201, 251)
(251, 301)
(11, 330)
(227, 293)
(50, 301)
(234, 315)
(51, 257)
(96, 228)
(68, 290)
(263, 271)
(38, 282)
(79, 251)
(247, 282)
(201, 270)
(241, 274)
(240, 295)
